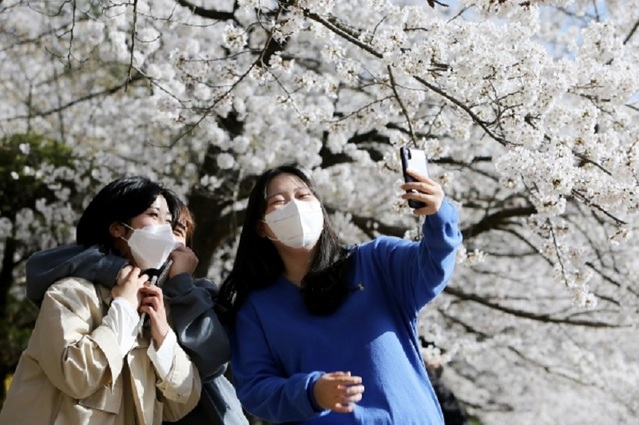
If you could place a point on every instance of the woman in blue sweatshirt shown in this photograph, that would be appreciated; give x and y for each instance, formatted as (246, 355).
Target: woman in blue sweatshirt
(327, 334)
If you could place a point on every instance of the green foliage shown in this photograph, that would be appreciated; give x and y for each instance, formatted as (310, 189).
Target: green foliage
(15, 330)
(30, 170)
(21, 157)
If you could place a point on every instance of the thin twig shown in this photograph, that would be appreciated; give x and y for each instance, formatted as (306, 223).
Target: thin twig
(401, 105)
(133, 31)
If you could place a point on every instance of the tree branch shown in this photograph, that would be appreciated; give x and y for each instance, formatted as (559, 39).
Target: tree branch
(494, 220)
(105, 92)
(544, 318)
(208, 13)
(632, 32)
(401, 105)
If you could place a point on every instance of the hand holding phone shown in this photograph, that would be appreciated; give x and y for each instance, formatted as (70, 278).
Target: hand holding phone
(414, 159)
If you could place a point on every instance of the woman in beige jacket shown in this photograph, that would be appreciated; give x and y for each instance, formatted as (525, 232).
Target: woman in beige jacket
(88, 361)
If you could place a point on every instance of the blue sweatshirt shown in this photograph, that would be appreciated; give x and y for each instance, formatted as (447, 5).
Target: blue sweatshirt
(279, 349)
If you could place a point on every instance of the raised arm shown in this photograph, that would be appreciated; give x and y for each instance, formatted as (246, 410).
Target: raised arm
(437, 251)
(47, 266)
(418, 271)
(76, 350)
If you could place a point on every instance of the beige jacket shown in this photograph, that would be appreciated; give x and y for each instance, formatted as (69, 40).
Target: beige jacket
(72, 372)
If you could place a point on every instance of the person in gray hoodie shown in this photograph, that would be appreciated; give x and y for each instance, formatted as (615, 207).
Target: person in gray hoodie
(191, 313)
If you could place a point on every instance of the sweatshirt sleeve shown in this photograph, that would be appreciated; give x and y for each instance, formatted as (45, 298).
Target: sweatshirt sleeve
(196, 325)
(47, 266)
(437, 251)
(260, 382)
(417, 271)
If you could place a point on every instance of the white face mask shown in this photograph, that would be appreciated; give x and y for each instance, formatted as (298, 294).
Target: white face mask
(151, 245)
(298, 224)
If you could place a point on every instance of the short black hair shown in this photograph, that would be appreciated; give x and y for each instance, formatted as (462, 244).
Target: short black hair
(118, 201)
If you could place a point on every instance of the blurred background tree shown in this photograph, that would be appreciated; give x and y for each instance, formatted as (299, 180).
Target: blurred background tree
(34, 173)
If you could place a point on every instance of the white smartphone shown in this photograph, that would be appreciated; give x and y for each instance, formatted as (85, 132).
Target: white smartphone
(414, 159)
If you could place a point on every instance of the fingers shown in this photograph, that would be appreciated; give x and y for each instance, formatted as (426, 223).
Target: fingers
(153, 305)
(343, 378)
(421, 181)
(152, 299)
(179, 250)
(431, 203)
(350, 395)
(343, 408)
(417, 175)
(130, 274)
(425, 190)
(338, 391)
(184, 261)
(128, 284)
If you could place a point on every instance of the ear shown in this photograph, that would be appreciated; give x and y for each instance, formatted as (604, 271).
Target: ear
(260, 229)
(117, 230)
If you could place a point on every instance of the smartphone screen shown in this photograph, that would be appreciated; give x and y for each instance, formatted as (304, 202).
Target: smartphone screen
(415, 159)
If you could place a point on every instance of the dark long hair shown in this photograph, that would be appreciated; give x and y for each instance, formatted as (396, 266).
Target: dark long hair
(258, 264)
(120, 201)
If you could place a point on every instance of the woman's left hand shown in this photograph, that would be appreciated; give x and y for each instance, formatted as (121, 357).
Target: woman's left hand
(428, 191)
(153, 305)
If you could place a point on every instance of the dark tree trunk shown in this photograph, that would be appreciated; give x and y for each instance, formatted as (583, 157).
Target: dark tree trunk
(212, 227)
(6, 274)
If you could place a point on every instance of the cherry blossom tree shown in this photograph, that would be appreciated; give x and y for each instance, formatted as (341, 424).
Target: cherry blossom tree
(528, 111)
